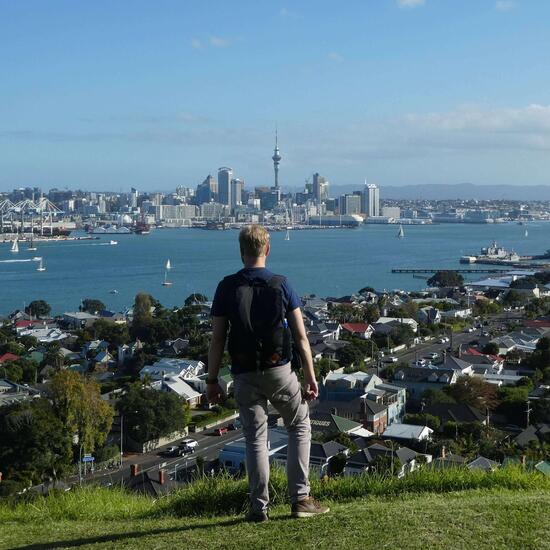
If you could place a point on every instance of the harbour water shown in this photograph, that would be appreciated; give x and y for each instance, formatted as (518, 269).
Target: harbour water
(323, 262)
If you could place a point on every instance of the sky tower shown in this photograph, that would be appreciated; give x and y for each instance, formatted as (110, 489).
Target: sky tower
(276, 159)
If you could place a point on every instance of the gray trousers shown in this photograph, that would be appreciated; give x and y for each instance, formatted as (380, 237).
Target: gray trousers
(281, 387)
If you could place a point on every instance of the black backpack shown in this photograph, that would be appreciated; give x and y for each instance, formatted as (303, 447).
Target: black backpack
(259, 336)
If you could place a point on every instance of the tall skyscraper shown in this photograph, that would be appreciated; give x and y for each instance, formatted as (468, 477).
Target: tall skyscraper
(370, 200)
(225, 175)
(236, 192)
(350, 204)
(320, 188)
(207, 190)
(276, 159)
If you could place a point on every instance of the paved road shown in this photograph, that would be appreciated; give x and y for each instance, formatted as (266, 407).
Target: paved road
(209, 448)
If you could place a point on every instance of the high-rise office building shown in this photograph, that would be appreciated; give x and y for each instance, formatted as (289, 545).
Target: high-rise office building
(236, 192)
(370, 203)
(350, 204)
(207, 190)
(225, 175)
(320, 188)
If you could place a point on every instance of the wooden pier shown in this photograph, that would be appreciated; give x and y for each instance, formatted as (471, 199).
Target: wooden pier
(434, 270)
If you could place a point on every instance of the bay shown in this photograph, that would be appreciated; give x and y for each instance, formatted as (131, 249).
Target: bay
(322, 262)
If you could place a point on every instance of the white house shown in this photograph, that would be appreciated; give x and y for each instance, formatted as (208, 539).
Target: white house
(184, 368)
(408, 431)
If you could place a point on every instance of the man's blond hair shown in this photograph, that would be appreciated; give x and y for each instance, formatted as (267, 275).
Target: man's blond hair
(253, 240)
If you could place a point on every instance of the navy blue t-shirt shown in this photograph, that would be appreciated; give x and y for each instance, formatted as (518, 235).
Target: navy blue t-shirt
(220, 304)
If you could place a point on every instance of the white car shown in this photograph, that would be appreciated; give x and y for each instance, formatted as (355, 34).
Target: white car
(433, 355)
(190, 443)
(390, 359)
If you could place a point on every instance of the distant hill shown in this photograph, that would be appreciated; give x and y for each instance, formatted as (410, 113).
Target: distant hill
(458, 191)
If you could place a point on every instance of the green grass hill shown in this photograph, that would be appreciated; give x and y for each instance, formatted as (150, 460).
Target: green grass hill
(454, 509)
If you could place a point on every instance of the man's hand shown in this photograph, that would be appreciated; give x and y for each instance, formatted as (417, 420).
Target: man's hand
(214, 393)
(311, 390)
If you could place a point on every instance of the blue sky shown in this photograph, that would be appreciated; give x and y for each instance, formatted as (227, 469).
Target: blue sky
(108, 95)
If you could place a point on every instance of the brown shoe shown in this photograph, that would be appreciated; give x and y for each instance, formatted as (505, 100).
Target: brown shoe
(307, 508)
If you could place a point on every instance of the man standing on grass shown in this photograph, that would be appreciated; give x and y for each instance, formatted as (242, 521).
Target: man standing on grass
(262, 312)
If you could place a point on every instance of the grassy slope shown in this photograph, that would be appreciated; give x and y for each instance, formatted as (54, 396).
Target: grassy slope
(477, 519)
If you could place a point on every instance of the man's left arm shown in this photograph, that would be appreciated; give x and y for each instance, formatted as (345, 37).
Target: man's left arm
(214, 393)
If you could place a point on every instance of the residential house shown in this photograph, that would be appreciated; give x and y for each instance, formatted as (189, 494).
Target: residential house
(455, 412)
(495, 363)
(79, 319)
(154, 483)
(459, 313)
(178, 385)
(330, 424)
(365, 459)
(169, 367)
(483, 464)
(534, 433)
(10, 392)
(408, 432)
(417, 380)
(385, 325)
(429, 315)
(320, 455)
(361, 330)
(232, 457)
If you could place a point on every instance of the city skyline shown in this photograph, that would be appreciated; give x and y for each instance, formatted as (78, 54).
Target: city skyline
(401, 92)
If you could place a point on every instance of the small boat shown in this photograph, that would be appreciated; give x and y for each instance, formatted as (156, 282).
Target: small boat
(114, 291)
(167, 268)
(287, 236)
(15, 246)
(401, 233)
(113, 242)
(41, 266)
(31, 246)
(526, 233)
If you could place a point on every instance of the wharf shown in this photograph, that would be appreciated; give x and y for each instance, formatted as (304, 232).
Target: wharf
(423, 270)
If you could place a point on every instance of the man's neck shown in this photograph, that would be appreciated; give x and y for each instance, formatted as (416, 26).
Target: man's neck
(254, 262)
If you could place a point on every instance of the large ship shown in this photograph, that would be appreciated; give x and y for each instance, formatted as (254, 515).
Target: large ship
(110, 230)
(494, 252)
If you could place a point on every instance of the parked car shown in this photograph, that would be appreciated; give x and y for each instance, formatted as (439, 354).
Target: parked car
(220, 431)
(433, 355)
(390, 359)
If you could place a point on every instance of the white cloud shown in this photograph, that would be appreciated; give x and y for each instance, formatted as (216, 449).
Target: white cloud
(410, 3)
(196, 44)
(219, 42)
(505, 5)
(334, 56)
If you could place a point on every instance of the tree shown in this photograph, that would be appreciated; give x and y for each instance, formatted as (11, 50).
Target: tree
(431, 396)
(20, 371)
(77, 402)
(53, 356)
(514, 298)
(349, 355)
(34, 443)
(474, 392)
(490, 348)
(38, 308)
(91, 305)
(150, 414)
(429, 420)
(446, 278)
(114, 333)
(142, 318)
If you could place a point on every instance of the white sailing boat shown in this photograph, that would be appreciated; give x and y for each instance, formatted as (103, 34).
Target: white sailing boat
(167, 268)
(287, 236)
(15, 246)
(526, 233)
(401, 233)
(41, 266)
(31, 244)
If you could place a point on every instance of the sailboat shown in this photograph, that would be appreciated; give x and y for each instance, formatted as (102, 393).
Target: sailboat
(31, 244)
(15, 246)
(41, 266)
(526, 233)
(287, 236)
(167, 268)
(401, 233)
